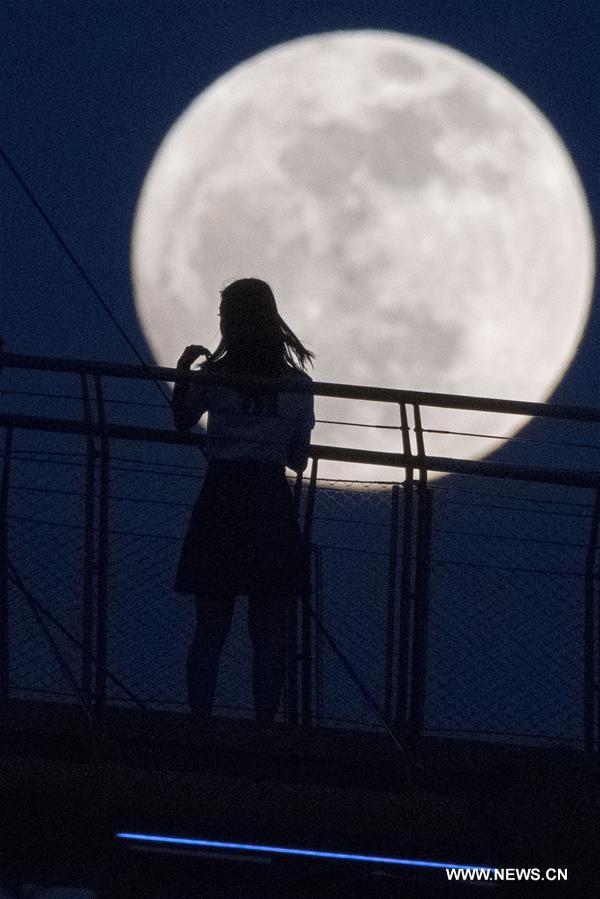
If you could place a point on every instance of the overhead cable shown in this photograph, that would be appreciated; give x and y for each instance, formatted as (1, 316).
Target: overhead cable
(75, 262)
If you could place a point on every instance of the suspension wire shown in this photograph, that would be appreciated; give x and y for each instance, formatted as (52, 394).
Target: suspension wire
(538, 541)
(71, 396)
(75, 262)
(510, 438)
(526, 509)
(540, 500)
(357, 424)
(16, 580)
(53, 491)
(363, 690)
(38, 609)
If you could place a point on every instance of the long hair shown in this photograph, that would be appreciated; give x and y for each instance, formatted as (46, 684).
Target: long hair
(254, 336)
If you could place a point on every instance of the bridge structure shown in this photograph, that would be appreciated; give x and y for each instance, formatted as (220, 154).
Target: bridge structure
(441, 703)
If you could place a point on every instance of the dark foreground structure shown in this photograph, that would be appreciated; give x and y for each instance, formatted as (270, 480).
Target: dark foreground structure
(66, 798)
(441, 705)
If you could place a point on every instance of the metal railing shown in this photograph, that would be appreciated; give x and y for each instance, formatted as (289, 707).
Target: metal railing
(465, 606)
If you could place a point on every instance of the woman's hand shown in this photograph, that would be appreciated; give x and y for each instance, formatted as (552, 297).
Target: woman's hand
(184, 416)
(190, 354)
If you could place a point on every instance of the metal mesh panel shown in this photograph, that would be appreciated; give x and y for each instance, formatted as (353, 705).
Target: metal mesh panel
(45, 526)
(499, 572)
(354, 612)
(506, 642)
(351, 532)
(150, 500)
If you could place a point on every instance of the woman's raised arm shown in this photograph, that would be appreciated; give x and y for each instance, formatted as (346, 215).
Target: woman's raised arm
(187, 403)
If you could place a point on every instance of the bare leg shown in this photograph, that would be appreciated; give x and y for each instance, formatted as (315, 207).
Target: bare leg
(214, 615)
(267, 622)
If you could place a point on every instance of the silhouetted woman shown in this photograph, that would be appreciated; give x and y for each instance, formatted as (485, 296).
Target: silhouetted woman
(243, 536)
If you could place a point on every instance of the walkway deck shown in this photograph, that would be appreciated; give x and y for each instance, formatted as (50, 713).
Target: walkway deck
(66, 795)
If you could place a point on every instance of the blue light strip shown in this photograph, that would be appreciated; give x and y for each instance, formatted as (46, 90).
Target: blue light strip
(287, 850)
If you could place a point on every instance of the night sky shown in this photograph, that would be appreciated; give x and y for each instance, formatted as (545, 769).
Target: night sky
(90, 90)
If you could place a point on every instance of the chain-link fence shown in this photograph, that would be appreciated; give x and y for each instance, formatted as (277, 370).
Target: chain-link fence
(507, 600)
(467, 606)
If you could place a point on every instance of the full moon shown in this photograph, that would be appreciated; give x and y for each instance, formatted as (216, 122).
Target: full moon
(420, 221)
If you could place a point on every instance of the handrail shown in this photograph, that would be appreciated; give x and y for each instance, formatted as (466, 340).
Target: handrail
(571, 478)
(319, 388)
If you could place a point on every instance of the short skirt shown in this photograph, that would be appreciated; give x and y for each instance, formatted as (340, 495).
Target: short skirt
(243, 536)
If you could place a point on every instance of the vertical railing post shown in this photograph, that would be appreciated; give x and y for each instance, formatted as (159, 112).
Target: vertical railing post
(87, 623)
(306, 598)
(298, 493)
(421, 589)
(4, 610)
(390, 641)
(102, 565)
(319, 635)
(421, 610)
(406, 592)
(591, 688)
(420, 445)
(291, 695)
